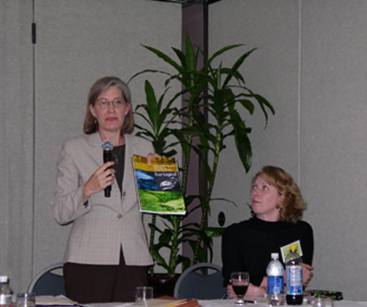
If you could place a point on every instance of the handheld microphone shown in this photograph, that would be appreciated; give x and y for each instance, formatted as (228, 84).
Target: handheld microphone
(107, 157)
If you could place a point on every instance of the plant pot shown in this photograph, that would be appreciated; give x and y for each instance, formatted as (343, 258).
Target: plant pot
(162, 283)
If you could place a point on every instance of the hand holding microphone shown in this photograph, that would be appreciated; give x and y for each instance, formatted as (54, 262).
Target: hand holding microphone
(103, 176)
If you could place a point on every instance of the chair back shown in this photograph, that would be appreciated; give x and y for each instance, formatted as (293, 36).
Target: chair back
(200, 281)
(49, 281)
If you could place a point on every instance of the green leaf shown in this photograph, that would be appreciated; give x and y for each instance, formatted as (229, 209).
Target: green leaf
(189, 55)
(158, 258)
(223, 50)
(154, 226)
(165, 237)
(152, 104)
(213, 232)
(248, 105)
(237, 65)
(180, 55)
(242, 141)
(186, 262)
(264, 104)
(164, 57)
(147, 71)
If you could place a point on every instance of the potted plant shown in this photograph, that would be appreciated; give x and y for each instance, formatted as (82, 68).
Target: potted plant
(215, 102)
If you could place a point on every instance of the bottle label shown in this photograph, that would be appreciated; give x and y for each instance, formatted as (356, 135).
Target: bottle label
(275, 285)
(5, 299)
(294, 280)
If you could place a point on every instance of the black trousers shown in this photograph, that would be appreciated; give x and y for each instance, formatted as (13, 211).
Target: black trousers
(89, 283)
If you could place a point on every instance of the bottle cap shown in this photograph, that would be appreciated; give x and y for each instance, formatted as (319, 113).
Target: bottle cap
(4, 278)
(275, 256)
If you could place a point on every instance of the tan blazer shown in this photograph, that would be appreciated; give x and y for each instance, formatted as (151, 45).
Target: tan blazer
(102, 225)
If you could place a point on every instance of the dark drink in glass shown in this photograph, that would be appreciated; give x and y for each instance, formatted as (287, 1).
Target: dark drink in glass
(240, 282)
(240, 290)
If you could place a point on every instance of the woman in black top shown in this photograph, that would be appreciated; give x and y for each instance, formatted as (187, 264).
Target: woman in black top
(277, 207)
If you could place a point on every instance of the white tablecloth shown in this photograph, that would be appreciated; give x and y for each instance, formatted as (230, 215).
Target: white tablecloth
(230, 303)
(227, 303)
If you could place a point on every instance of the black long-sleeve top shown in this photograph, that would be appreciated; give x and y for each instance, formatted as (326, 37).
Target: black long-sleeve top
(247, 246)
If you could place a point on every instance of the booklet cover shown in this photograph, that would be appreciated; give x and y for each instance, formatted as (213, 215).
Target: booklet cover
(158, 185)
(291, 251)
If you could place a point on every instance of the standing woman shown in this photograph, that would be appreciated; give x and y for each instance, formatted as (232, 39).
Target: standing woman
(277, 207)
(107, 252)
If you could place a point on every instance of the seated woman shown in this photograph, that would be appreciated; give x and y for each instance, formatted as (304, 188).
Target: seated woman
(277, 207)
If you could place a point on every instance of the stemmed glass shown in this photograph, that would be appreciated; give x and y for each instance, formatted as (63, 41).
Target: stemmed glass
(240, 282)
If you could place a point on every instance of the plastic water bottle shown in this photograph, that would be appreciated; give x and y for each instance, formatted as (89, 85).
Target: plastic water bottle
(275, 287)
(294, 280)
(6, 293)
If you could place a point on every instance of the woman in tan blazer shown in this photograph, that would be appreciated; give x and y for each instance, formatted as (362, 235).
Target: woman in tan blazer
(107, 253)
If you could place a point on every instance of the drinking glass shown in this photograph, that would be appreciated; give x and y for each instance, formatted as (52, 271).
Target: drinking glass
(25, 300)
(143, 293)
(322, 302)
(240, 282)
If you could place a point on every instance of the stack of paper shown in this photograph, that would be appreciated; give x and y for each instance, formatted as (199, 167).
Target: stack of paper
(54, 300)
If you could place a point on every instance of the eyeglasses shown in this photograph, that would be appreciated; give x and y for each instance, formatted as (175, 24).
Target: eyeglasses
(117, 103)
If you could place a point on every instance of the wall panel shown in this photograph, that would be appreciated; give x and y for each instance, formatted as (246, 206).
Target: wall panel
(16, 141)
(334, 160)
(272, 70)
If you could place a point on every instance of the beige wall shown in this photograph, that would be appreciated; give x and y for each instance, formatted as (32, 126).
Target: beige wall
(16, 140)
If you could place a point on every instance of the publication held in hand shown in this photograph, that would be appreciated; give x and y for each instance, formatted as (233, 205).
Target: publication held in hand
(158, 185)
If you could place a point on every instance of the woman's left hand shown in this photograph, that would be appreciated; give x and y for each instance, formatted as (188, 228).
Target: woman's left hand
(255, 291)
(307, 273)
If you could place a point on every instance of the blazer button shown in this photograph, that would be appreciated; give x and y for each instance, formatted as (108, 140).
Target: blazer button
(119, 215)
(123, 193)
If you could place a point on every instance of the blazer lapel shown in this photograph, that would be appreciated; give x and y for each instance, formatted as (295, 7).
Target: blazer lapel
(95, 152)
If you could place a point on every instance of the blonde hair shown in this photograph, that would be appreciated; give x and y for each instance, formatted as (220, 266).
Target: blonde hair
(293, 205)
(90, 123)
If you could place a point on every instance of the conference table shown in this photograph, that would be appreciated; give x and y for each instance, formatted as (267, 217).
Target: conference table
(231, 303)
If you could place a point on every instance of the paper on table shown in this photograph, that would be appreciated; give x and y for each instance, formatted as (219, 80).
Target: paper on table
(158, 302)
(54, 300)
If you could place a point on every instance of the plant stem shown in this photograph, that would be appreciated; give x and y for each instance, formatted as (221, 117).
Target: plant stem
(174, 245)
(152, 237)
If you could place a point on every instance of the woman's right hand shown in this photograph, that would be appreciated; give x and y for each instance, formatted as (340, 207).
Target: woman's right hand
(100, 179)
(230, 292)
